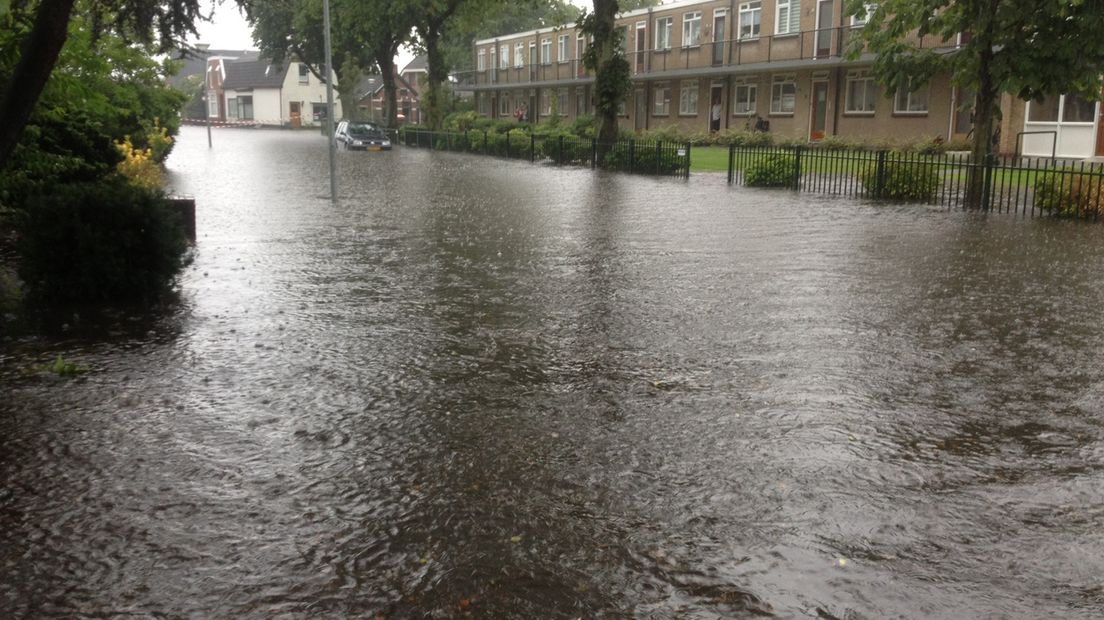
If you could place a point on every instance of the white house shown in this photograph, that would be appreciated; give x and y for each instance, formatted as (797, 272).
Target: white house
(286, 95)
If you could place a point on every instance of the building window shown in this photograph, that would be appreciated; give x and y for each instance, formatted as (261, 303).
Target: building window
(744, 99)
(860, 18)
(504, 57)
(783, 94)
(623, 32)
(662, 98)
(561, 48)
(231, 107)
(546, 102)
(212, 104)
(519, 55)
(663, 33)
(751, 16)
(561, 101)
(481, 64)
(787, 17)
(304, 73)
(1077, 109)
(503, 104)
(911, 101)
(862, 93)
(546, 51)
(691, 29)
(318, 110)
(688, 98)
(482, 97)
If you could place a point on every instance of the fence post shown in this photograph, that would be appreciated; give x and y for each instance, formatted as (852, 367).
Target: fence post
(731, 163)
(632, 155)
(593, 153)
(879, 175)
(508, 143)
(532, 147)
(686, 169)
(559, 151)
(797, 167)
(659, 156)
(486, 142)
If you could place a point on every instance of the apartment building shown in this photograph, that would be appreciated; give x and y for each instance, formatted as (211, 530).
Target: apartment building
(714, 64)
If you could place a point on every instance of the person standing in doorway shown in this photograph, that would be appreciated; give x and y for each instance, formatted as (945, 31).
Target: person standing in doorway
(715, 116)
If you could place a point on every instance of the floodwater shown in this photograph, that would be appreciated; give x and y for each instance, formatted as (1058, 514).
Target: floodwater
(490, 388)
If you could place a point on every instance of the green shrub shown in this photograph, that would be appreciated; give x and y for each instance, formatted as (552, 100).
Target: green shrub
(460, 121)
(1067, 194)
(565, 149)
(839, 143)
(99, 242)
(902, 180)
(643, 157)
(740, 137)
(584, 126)
(774, 170)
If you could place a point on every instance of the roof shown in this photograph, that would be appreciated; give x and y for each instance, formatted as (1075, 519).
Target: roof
(418, 64)
(243, 75)
(193, 61)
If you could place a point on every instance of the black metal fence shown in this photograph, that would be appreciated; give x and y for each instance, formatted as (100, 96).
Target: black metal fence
(634, 156)
(1031, 186)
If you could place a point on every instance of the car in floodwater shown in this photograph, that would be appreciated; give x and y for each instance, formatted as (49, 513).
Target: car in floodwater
(353, 135)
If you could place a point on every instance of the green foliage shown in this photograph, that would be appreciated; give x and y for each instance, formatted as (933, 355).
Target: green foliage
(65, 368)
(461, 121)
(1066, 193)
(774, 170)
(584, 126)
(643, 157)
(913, 181)
(99, 242)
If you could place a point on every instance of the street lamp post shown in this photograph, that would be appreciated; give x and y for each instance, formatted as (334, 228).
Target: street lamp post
(329, 100)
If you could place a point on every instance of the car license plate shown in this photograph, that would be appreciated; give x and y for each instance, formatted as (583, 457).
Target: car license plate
(373, 147)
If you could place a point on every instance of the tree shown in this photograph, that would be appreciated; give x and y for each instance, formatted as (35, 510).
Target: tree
(43, 30)
(1027, 48)
(483, 19)
(606, 58)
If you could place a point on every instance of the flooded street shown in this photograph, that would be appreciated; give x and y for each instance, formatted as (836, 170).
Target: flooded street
(485, 387)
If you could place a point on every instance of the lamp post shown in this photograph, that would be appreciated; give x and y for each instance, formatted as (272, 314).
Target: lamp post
(329, 100)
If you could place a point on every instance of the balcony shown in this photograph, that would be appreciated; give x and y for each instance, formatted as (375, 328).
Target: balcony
(805, 49)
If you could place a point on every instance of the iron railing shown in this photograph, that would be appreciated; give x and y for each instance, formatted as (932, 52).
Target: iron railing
(633, 156)
(1023, 185)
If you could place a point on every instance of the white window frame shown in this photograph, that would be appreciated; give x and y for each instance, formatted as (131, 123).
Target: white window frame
(661, 106)
(860, 21)
(663, 33)
(546, 101)
(779, 84)
(483, 103)
(691, 29)
(870, 94)
(751, 11)
(481, 63)
(786, 13)
(504, 57)
(688, 98)
(546, 51)
(561, 101)
(562, 52)
(519, 55)
(751, 96)
(503, 105)
(304, 73)
(906, 97)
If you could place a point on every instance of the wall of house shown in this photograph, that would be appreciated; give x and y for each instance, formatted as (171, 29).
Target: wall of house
(313, 91)
(266, 106)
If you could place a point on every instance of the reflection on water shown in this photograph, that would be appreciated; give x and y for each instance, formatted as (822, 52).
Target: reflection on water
(475, 385)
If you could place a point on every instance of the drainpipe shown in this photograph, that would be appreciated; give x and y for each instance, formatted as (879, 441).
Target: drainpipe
(836, 101)
(733, 24)
(954, 112)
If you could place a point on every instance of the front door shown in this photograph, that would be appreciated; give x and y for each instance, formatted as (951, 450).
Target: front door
(1100, 130)
(824, 29)
(819, 124)
(641, 46)
(716, 107)
(719, 18)
(640, 117)
(295, 113)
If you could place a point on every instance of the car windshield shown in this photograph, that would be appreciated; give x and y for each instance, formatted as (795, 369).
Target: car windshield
(362, 129)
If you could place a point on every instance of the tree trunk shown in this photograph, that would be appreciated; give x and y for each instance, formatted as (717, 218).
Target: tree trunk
(986, 111)
(347, 80)
(385, 58)
(37, 58)
(436, 74)
(605, 15)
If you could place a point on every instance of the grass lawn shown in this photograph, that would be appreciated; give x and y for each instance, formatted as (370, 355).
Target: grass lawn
(709, 159)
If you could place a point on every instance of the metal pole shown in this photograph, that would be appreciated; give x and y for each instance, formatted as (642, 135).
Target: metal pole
(329, 100)
(207, 115)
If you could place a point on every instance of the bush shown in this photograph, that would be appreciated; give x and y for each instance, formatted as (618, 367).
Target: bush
(774, 170)
(139, 166)
(740, 137)
(584, 126)
(1066, 194)
(460, 121)
(643, 157)
(902, 180)
(99, 242)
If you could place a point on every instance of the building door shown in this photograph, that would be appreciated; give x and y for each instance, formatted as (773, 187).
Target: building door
(1099, 130)
(719, 18)
(716, 106)
(532, 61)
(640, 115)
(641, 46)
(824, 28)
(295, 114)
(819, 125)
(580, 49)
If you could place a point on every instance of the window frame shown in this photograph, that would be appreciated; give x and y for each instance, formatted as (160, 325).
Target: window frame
(504, 57)
(304, 73)
(778, 95)
(688, 19)
(481, 59)
(908, 100)
(503, 105)
(745, 9)
(791, 8)
(753, 90)
(661, 107)
(546, 51)
(870, 88)
(519, 55)
(689, 93)
(666, 31)
(562, 50)
(868, 8)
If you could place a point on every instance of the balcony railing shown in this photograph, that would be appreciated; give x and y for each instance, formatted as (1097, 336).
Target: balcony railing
(809, 45)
